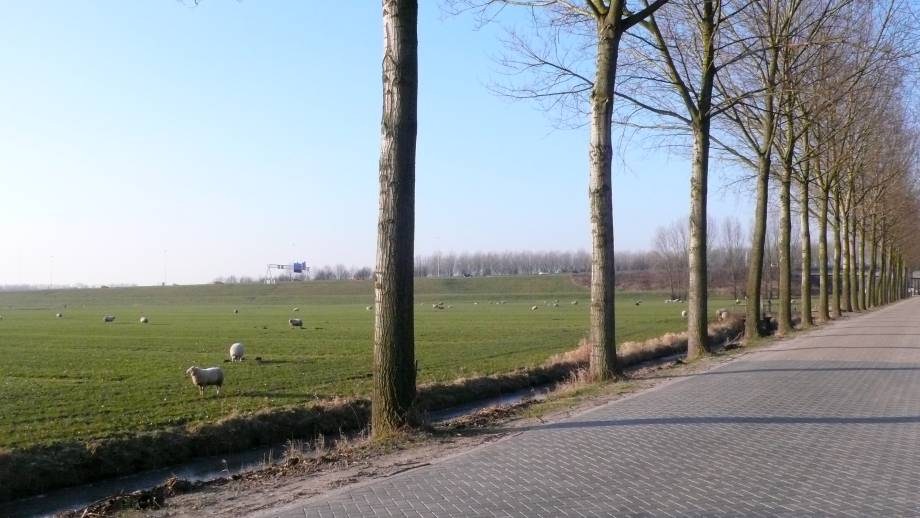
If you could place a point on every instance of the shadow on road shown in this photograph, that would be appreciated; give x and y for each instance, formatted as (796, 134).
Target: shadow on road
(708, 420)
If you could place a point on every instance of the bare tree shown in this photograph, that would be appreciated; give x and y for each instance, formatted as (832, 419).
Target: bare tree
(593, 27)
(676, 64)
(670, 245)
(394, 338)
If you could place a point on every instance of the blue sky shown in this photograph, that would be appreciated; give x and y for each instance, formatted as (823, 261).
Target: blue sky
(235, 134)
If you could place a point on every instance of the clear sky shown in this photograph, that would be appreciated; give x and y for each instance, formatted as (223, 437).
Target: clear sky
(233, 134)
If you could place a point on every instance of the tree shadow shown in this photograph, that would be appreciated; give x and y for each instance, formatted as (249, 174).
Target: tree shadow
(716, 420)
(840, 335)
(723, 372)
(837, 347)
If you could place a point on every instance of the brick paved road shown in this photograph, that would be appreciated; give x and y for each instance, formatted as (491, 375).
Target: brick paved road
(827, 424)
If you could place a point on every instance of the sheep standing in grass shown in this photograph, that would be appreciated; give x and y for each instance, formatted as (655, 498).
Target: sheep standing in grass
(236, 312)
(237, 351)
(534, 308)
(296, 322)
(143, 320)
(108, 318)
(202, 378)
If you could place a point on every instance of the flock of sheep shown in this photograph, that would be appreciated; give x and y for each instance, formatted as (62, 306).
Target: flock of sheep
(210, 376)
(214, 376)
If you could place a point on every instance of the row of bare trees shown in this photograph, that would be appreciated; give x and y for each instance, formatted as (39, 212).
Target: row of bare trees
(797, 92)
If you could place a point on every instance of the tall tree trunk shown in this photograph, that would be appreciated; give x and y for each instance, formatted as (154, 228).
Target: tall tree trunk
(697, 298)
(862, 267)
(847, 265)
(873, 255)
(823, 315)
(755, 263)
(603, 359)
(880, 282)
(886, 269)
(785, 254)
(854, 264)
(394, 340)
(835, 288)
(806, 257)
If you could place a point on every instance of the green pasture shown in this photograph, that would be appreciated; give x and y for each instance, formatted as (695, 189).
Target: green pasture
(77, 377)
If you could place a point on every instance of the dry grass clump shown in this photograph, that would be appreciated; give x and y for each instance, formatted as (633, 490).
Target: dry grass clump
(37, 469)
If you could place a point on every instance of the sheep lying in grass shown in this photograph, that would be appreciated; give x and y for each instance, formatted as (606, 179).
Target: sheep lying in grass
(534, 308)
(368, 308)
(722, 313)
(205, 377)
(108, 318)
(683, 314)
(143, 320)
(237, 351)
(295, 309)
(296, 322)
(59, 315)
(574, 302)
(236, 312)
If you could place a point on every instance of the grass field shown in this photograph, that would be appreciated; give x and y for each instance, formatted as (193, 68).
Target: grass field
(77, 377)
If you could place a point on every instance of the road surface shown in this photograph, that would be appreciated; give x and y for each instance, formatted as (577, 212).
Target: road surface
(824, 424)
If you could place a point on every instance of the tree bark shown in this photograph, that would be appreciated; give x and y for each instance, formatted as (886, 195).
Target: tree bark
(854, 264)
(823, 315)
(862, 267)
(871, 295)
(603, 360)
(847, 264)
(806, 257)
(697, 297)
(785, 238)
(755, 264)
(835, 288)
(394, 341)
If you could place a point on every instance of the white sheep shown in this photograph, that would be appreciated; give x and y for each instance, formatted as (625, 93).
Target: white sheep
(534, 308)
(574, 302)
(295, 322)
(108, 318)
(202, 378)
(237, 351)
(295, 309)
(143, 320)
(236, 312)
(722, 313)
(59, 315)
(368, 308)
(683, 314)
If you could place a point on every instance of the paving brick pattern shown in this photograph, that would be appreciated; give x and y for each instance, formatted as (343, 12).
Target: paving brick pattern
(827, 424)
